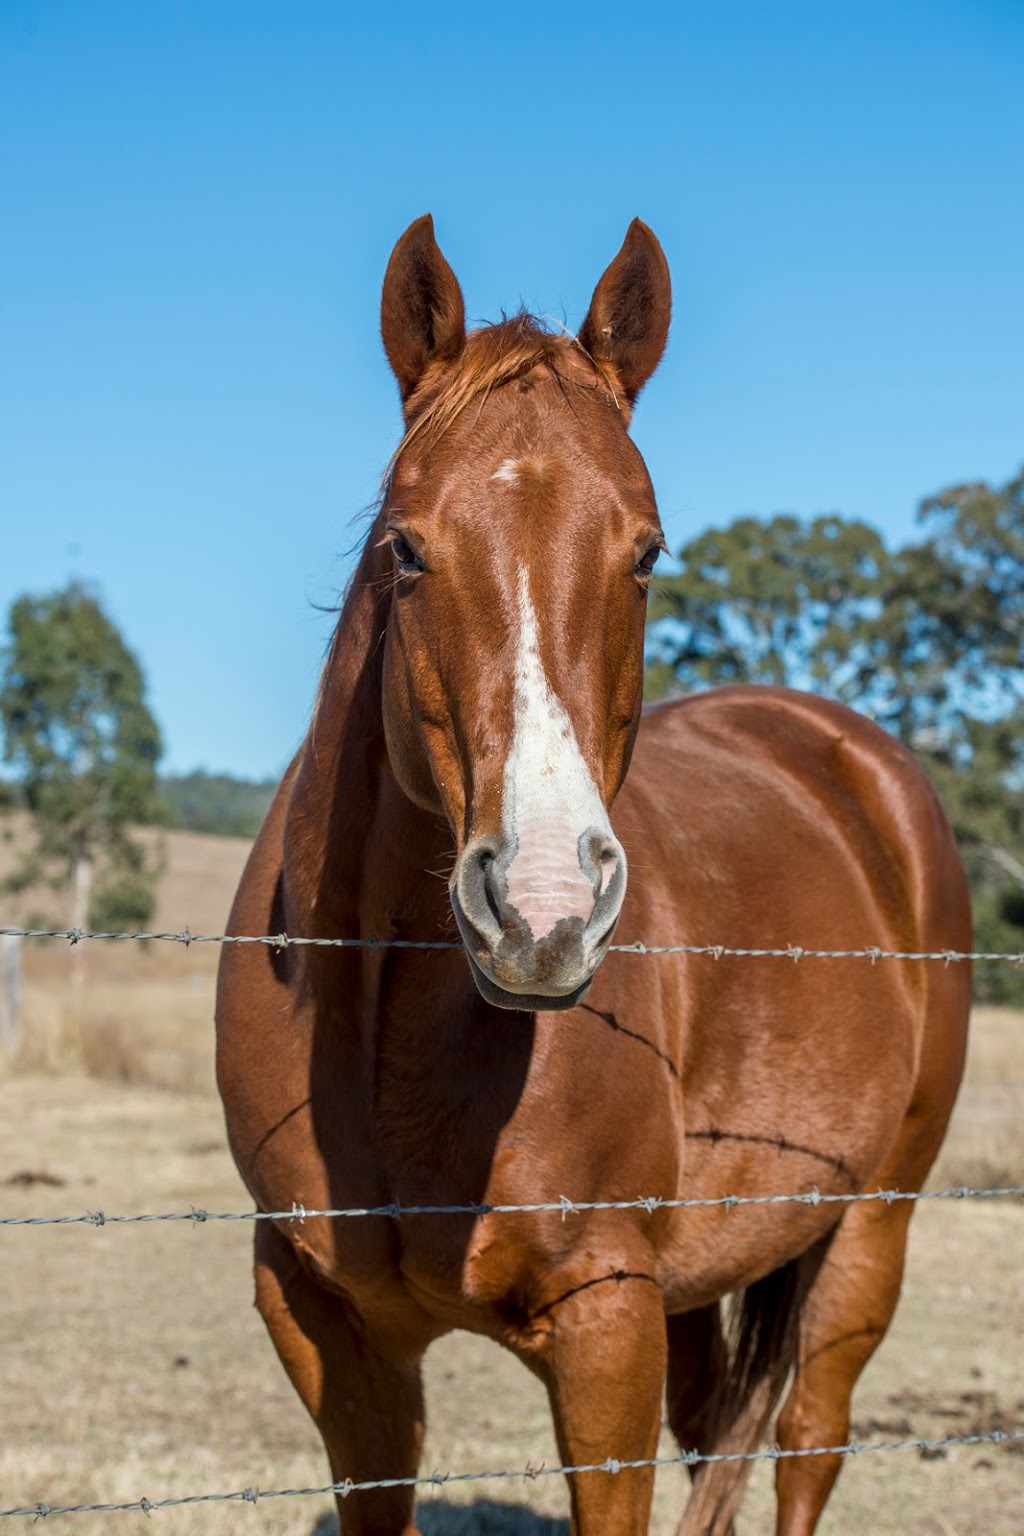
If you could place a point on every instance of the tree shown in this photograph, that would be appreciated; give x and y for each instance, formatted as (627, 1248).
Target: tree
(928, 640)
(976, 755)
(765, 602)
(84, 746)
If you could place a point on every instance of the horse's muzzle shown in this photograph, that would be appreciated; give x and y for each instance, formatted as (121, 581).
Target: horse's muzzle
(525, 956)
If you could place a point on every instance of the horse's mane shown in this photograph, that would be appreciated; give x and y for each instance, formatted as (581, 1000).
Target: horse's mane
(493, 356)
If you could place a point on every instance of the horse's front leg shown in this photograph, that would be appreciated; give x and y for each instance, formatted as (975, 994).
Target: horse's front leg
(603, 1358)
(369, 1411)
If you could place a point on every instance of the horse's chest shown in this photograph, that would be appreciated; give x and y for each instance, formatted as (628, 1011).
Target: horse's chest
(526, 1110)
(482, 1130)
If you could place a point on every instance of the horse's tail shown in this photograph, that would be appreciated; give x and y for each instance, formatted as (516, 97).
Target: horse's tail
(761, 1344)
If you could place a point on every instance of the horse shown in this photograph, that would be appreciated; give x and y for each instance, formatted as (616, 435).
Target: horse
(479, 775)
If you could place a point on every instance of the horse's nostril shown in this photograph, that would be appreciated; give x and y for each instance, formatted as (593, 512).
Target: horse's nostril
(488, 870)
(609, 864)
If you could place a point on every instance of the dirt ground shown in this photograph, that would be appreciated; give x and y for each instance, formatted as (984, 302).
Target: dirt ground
(133, 1364)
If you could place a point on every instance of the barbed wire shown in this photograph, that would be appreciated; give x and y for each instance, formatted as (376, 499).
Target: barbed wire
(197, 1216)
(612, 1466)
(282, 941)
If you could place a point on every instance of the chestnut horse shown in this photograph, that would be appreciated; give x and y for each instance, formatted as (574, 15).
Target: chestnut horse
(477, 714)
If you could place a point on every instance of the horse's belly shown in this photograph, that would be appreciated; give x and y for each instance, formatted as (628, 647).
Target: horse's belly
(797, 1121)
(719, 1252)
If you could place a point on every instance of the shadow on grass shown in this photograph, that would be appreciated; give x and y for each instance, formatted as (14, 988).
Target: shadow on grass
(487, 1517)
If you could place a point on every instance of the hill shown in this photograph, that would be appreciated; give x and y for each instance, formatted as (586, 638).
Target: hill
(216, 803)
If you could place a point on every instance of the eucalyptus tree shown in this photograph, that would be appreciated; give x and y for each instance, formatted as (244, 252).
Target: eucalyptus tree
(83, 746)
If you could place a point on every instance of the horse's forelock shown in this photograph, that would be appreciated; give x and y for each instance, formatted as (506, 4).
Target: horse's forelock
(493, 356)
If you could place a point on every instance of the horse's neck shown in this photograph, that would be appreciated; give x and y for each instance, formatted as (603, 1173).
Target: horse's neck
(350, 829)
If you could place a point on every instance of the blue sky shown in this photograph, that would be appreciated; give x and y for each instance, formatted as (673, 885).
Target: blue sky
(197, 203)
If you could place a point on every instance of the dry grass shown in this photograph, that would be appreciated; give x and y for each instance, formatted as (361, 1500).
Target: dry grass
(133, 1013)
(985, 1142)
(145, 1015)
(135, 1365)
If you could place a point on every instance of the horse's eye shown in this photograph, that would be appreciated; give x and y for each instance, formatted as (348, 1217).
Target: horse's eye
(646, 564)
(406, 557)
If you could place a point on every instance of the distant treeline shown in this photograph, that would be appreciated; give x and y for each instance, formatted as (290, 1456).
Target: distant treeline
(191, 802)
(215, 802)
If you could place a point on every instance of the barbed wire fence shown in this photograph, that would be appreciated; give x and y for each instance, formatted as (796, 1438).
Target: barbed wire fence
(564, 1206)
(282, 941)
(611, 1467)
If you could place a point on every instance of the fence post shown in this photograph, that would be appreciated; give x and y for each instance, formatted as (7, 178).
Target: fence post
(10, 996)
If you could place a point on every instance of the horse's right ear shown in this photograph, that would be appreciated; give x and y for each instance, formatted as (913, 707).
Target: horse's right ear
(422, 316)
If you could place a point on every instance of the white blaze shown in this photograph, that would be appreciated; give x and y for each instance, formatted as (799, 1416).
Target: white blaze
(507, 470)
(550, 798)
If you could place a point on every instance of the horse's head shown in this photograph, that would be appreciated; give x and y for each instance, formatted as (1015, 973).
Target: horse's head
(522, 529)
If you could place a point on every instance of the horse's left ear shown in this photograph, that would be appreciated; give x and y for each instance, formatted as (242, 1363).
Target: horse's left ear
(627, 323)
(422, 316)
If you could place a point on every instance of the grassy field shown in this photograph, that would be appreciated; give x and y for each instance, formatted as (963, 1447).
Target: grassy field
(134, 1365)
(128, 1012)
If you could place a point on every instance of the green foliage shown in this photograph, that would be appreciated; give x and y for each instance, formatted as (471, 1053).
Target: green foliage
(764, 603)
(80, 739)
(123, 902)
(928, 639)
(215, 802)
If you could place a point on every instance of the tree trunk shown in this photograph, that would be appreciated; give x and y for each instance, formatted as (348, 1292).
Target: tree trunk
(1007, 862)
(10, 997)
